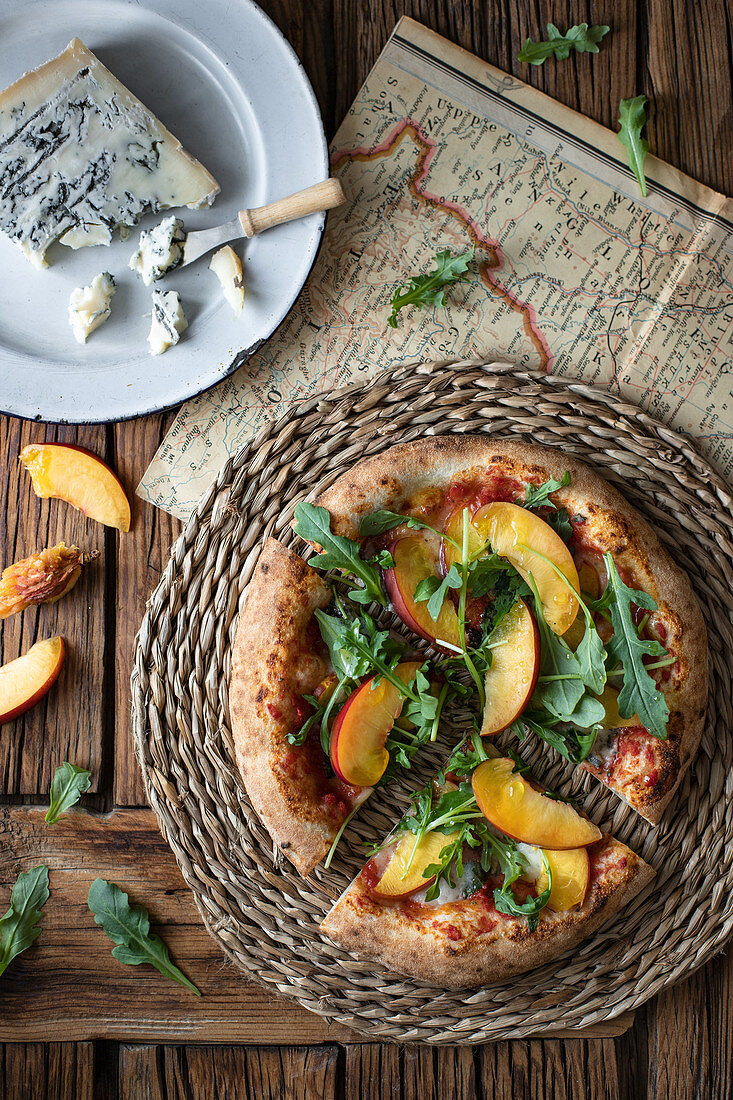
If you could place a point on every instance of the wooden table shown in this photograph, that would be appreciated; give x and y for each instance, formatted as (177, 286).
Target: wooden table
(75, 1023)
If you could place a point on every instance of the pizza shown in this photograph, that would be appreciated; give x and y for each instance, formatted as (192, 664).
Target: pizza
(496, 913)
(435, 480)
(283, 695)
(552, 610)
(278, 659)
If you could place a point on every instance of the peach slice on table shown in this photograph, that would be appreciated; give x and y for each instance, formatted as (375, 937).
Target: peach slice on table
(526, 541)
(357, 747)
(27, 679)
(80, 478)
(403, 874)
(513, 806)
(414, 562)
(570, 878)
(515, 667)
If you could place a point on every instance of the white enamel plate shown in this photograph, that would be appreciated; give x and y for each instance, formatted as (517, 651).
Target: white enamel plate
(221, 76)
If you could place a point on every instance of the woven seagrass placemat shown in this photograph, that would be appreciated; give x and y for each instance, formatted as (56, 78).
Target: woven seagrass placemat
(263, 915)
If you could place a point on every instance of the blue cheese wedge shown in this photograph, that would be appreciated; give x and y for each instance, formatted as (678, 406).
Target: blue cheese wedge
(227, 267)
(80, 157)
(168, 321)
(89, 306)
(160, 250)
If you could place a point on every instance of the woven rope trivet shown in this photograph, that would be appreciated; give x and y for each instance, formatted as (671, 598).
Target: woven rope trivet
(262, 914)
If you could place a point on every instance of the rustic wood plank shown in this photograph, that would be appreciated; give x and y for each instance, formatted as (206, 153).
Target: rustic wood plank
(443, 1073)
(141, 557)
(690, 1036)
(373, 1071)
(205, 1072)
(125, 1002)
(590, 83)
(68, 724)
(53, 1071)
(690, 84)
(291, 1074)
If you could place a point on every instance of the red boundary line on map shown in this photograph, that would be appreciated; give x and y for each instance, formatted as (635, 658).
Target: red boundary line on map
(426, 151)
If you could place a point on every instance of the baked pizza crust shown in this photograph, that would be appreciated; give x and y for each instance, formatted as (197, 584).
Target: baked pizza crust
(446, 945)
(411, 477)
(274, 663)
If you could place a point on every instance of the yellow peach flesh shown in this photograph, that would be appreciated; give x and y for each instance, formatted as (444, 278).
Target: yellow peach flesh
(357, 748)
(517, 809)
(28, 678)
(526, 541)
(397, 881)
(570, 876)
(513, 674)
(79, 478)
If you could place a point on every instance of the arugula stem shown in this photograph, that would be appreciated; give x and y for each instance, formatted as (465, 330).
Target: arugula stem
(339, 834)
(661, 664)
(559, 676)
(436, 720)
(462, 609)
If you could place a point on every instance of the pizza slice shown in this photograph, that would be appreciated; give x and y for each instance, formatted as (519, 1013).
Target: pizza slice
(486, 876)
(605, 655)
(324, 704)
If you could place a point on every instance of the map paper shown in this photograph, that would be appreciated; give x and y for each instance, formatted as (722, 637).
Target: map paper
(574, 272)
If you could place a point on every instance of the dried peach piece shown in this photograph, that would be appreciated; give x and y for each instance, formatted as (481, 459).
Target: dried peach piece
(42, 578)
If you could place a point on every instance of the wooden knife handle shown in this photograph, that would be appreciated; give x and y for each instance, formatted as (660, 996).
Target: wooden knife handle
(321, 196)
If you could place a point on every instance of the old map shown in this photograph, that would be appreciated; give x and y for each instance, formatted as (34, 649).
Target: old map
(574, 272)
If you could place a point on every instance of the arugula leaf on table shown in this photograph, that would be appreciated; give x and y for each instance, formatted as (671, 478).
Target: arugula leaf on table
(19, 926)
(313, 524)
(435, 591)
(632, 118)
(582, 38)
(129, 927)
(639, 692)
(428, 290)
(67, 786)
(538, 496)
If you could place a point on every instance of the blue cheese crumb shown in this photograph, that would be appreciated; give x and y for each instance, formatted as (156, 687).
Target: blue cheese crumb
(89, 306)
(160, 250)
(168, 321)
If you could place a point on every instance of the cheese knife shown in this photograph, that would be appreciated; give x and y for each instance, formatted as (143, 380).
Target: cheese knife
(248, 223)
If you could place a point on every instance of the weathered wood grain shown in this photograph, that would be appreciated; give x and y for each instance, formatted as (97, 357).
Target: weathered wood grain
(690, 83)
(681, 1045)
(689, 1035)
(232, 1073)
(68, 724)
(141, 556)
(52, 1071)
(372, 1071)
(79, 989)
